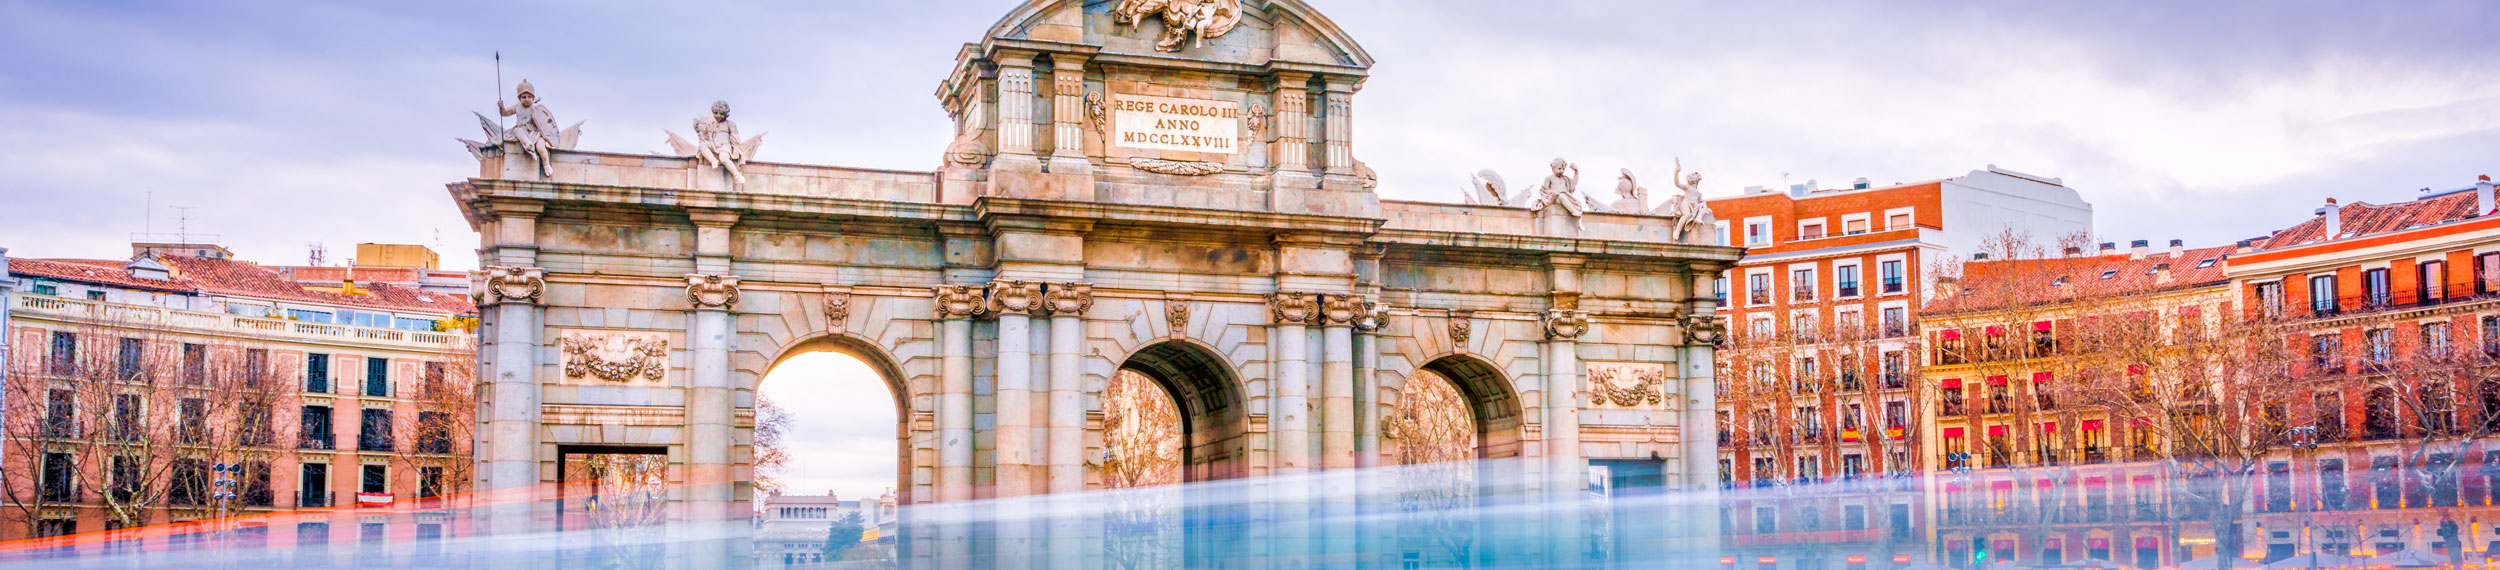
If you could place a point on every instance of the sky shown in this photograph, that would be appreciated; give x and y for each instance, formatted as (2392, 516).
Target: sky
(274, 125)
(842, 419)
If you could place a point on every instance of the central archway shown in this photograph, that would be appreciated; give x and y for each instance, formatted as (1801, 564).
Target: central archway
(1214, 418)
(882, 519)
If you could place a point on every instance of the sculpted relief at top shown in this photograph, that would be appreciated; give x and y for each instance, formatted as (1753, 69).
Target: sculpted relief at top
(1192, 21)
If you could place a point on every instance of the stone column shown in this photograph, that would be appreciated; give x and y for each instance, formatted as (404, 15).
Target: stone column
(1336, 441)
(1070, 531)
(708, 402)
(1367, 324)
(1067, 140)
(956, 306)
(1292, 149)
(510, 299)
(1340, 125)
(1291, 413)
(1015, 112)
(1564, 467)
(1700, 424)
(1014, 302)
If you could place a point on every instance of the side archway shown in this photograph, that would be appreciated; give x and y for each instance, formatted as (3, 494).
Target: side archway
(1214, 416)
(1490, 400)
(889, 373)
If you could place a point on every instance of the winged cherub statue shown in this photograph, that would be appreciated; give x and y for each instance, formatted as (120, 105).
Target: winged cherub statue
(717, 144)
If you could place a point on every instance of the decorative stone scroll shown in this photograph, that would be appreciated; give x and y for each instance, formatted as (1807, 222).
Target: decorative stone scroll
(505, 284)
(712, 291)
(1176, 167)
(1627, 384)
(1176, 315)
(1462, 326)
(1068, 299)
(837, 311)
(1011, 296)
(1339, 310)
(959, 301)
(1292, 308)
(1561, 324)
(1371, 317)
(1097, 117)
(614, 356)
(1703, 329)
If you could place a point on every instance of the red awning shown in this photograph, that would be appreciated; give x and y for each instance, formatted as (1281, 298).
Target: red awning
(2147, 542)
(2096, 482)
(1996, 431)
(2091, 425)
(2138, 422)
(1996, 380)
(1952, 383)
(1952, 433)
(2040, 326)
(2096, 543)
(1994, 330)
(2005, 547)
(2135, 369)
(2048, 427)
(2039, 377)
(2053, 543)
(2001, 485)
(1950, 334)
(2043, 483)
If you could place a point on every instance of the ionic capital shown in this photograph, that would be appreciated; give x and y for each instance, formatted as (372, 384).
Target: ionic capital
(959, 301)
(1339, 310)
(1289, 308)
(1561, 324)
(712, 291)
(512, 284)
(1072, 299)
(1016, 297)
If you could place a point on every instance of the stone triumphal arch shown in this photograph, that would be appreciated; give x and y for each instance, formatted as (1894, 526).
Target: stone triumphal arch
(1129, 187)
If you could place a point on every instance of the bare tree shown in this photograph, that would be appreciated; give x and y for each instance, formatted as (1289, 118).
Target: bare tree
(1142, 439)
(772, 454)
(1435, 435)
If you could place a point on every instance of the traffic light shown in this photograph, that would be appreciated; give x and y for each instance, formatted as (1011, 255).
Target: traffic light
(1979, 551)
(2448, 533)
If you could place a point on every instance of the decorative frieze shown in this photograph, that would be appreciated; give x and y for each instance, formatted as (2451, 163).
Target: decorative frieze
(1289, 308)
(1068, 299)
(507, 284)
(1011, 296)
(712, 291)
(1639, 385)
(959, 301)
(1563, 324)
(614, 356)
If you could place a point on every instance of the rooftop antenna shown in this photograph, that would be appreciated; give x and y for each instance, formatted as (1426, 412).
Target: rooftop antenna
(182, 224)
(320, 254)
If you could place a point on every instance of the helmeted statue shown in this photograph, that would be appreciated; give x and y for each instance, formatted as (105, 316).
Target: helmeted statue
(1631, 198)
(533, 130)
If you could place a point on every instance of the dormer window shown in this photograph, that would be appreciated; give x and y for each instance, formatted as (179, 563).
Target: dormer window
(2109, 274)
(2207, 263)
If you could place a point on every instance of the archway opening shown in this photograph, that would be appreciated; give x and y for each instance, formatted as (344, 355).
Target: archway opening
(1453, 418)
(1489, 403)
(829, 451)
(1211, 418)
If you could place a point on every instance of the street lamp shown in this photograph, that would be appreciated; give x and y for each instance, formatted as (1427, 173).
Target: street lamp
(224, 484)
(2305, 442)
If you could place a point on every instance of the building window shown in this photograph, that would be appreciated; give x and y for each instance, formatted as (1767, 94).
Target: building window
(1718, 290)
(2270, 297)
(2435, 339)
(64, 360)
(313, 489)
(377, 479)
(60, 483)
(435, 372)
(2322, 295)
(256, 430)
(1758, 233)
(2375, 289)
(95, 295)
(131, 361)
(1854, 226)
(1802, 325)
(1801, 284)
(316, 428)
(317, 373)
(429, 482)
(1890, 271)
(1810, 230)
(256, 367)
(1757, 290)
(1896, 321)
(194, 363)
(2431, 280)
(377, 377)
(126, 417)
(1897, 221)
(1847, 280)
(433, 432)
(375, 431)
(2326, 353)
(189, 485)
(2381, 345)
(193, 421)
(1766, 520)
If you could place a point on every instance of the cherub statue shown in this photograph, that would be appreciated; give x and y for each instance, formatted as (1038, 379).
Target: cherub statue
(1689, 210)
(1487, 189)
(1631, 197)
(534, 129)
(717, 144)
(1559, 188)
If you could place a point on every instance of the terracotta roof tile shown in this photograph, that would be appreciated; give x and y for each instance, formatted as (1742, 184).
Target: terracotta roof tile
(239, 278)
(2072, 277)
(96, 272)
(2363, 218)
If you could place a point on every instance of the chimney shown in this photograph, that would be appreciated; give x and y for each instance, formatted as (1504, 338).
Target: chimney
(2482, 195)
(2161, 273)
(2074, 251)
(2177, 247)
(1981, 256)
(2244, 246)
(2334, 216)
(2109, 248)
(1862, 184)
(2137, 248)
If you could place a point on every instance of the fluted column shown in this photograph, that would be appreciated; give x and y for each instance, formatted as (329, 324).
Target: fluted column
(956, 306)
(1291, 151)
(1369, 319)
(1015, 111)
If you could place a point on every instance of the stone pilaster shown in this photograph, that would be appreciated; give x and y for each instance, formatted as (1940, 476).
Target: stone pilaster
(1067, 140)
(1368, 322)
(1564, 465)
(1067, 304)
(510, 298)
(1340, 124)
(1291, 150)
(1702, 333)
(1015, 112)
(956, 306)
(1336, 443)
(709, 405)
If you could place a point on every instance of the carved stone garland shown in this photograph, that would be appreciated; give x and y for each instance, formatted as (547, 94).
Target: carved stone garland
(712, 291)
(1563, 324)
(508, 283)
(958, 301)
(614, 357)
(1628, 385)
(1176, 167)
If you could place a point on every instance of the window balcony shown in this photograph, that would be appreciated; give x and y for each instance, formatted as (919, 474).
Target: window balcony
(1848, 289)
(1801, 294)
(1758, 297)
(322, 440)
(1892, 285)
